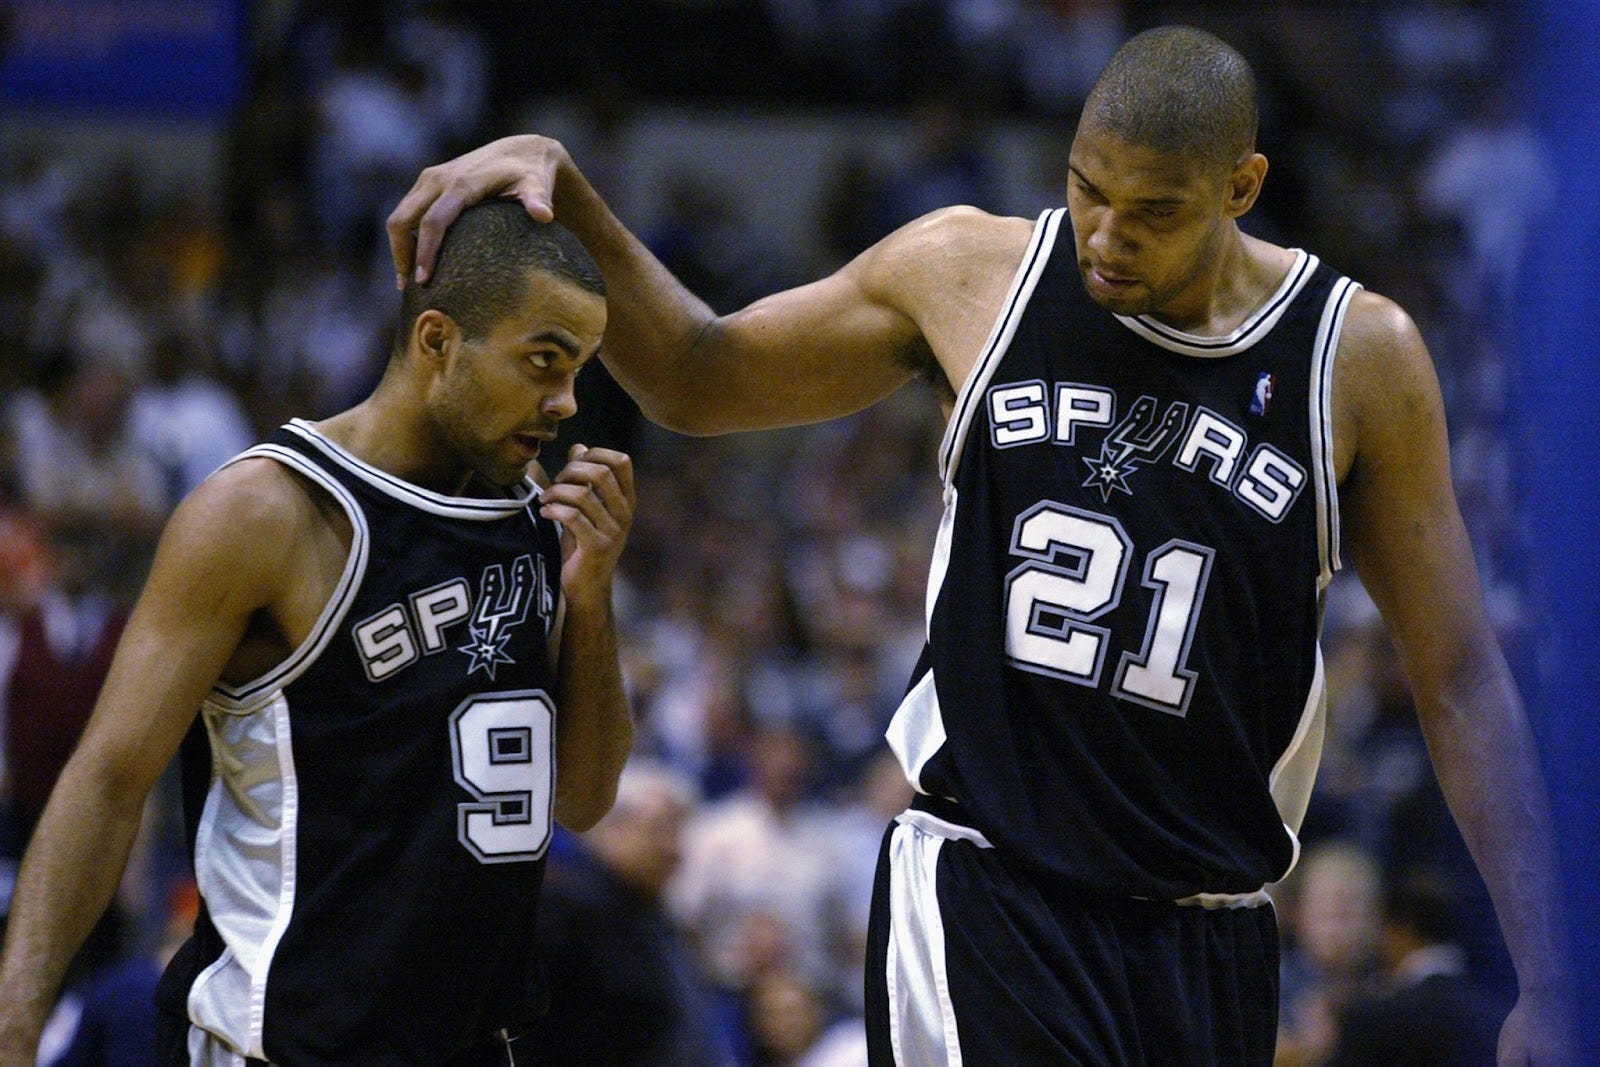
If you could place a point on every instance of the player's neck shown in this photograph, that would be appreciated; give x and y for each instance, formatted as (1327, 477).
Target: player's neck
(396, 437)
(1248, 272)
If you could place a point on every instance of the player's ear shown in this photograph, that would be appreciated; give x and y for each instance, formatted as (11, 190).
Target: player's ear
(434, 335)
(1244, 184)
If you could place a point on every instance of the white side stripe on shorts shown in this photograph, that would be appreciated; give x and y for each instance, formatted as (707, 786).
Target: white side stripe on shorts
(922, 1019)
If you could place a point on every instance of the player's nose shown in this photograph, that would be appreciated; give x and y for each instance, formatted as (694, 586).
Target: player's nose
(563, 402)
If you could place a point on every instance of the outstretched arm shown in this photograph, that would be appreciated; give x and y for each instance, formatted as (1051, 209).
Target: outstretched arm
(593, 500)
(206, 581)
(1411, 550)
(816, 352)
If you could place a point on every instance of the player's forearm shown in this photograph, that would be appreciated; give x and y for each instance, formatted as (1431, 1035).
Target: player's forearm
(1488, 768)
(68, 876)
(655, 327)
(594, 725)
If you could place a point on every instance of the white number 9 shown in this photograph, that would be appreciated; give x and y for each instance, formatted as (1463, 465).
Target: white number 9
(503, 748)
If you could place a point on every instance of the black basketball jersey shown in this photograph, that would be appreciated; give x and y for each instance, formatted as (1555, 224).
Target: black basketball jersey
(376, 810)
(1122, 687)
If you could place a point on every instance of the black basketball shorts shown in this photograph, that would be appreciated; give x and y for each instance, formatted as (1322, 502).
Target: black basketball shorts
(969, 961)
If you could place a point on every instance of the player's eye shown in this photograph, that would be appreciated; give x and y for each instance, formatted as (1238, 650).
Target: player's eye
(541, 359)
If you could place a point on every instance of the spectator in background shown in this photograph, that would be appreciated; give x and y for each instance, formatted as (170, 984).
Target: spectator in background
(947, 164)
(184, 418)
(793, 1025)
(624, 987)
(1330, 945)
(760, 883)
(77, 462)
(705, 235)
(1426, 1011)
(64, 642)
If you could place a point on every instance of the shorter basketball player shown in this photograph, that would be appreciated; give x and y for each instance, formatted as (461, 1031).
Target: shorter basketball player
(399, 638)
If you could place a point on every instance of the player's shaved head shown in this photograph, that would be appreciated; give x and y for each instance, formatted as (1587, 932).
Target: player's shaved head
(1178, 90)
(482, 271)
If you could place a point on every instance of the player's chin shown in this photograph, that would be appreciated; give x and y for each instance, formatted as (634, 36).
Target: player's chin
(506, 475)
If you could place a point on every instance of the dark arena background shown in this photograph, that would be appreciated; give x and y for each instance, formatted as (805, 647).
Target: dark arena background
(192, 196)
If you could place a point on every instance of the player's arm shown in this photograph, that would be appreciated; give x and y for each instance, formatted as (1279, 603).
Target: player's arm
(593, 500)
(209, 575)
(1410, 547)
(807, 354)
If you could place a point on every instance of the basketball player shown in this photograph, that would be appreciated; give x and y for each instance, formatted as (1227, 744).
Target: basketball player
(399, 638)
(1164, 437)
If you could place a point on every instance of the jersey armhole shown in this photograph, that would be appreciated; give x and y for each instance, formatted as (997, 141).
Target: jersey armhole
(245, 696)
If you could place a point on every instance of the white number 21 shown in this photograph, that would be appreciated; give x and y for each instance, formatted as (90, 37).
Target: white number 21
(1077, 563)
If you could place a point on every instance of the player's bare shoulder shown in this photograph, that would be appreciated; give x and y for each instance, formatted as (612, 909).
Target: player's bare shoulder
(1382, 374)
(255, 528)
(951, 251)
(949, 271)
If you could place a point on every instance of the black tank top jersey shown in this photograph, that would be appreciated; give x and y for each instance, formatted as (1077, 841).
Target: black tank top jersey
(1122, 688)
(376, 810)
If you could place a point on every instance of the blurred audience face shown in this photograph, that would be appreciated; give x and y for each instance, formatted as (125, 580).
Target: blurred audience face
(786, 1016)
(1338, 910)
(640, 839)
(782, 766)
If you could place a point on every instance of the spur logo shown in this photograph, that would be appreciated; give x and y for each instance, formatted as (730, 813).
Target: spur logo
(1196, 439)
(402, 633)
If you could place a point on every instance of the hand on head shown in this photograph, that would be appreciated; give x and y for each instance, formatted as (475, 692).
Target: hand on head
(523, 167)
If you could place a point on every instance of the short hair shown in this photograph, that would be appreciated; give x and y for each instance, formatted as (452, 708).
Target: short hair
(481, 273)
(1178, 90)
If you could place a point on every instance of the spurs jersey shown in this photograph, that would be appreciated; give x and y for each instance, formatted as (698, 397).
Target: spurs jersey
(370, 841)
(1121, 686)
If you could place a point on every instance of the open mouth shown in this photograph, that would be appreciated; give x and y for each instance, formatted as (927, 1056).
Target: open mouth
(1111, 279)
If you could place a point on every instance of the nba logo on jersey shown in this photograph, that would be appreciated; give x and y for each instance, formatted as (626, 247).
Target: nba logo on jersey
(1263, 394)
(396, 637)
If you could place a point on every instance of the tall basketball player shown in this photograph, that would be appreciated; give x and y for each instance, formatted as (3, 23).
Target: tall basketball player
(1164, 438)
(399, 639)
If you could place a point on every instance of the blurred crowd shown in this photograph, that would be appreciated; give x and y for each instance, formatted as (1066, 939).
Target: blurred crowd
(772, 602)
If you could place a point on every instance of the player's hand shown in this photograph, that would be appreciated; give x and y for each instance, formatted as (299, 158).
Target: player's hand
(1536, 1033)
(523, 167)
(593, 500)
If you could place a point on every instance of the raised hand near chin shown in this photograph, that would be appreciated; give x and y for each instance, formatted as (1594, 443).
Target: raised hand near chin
(593, 500)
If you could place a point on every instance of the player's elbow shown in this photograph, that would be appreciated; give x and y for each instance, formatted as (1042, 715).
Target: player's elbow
(580, 808)
(682, 414)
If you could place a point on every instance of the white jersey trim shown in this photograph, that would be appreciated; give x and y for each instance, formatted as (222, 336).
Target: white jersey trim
(917, 731)
(455, 507)
(251, 694)
(1254, 328)
(931, 824)
(922, 1017)
(1295, 773)
(245, 867)
(1324, 474)
(968, 401)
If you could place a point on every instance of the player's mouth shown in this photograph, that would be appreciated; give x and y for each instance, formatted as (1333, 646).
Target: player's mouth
(1109, 282)
(530, 442)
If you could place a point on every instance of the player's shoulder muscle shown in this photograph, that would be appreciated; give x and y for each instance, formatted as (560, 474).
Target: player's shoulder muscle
(944, 253)
(233, 538)
(1384, 379)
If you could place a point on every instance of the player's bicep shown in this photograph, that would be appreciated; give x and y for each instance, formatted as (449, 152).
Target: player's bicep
(210, 574)
(822, 350)
(1402, 522)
